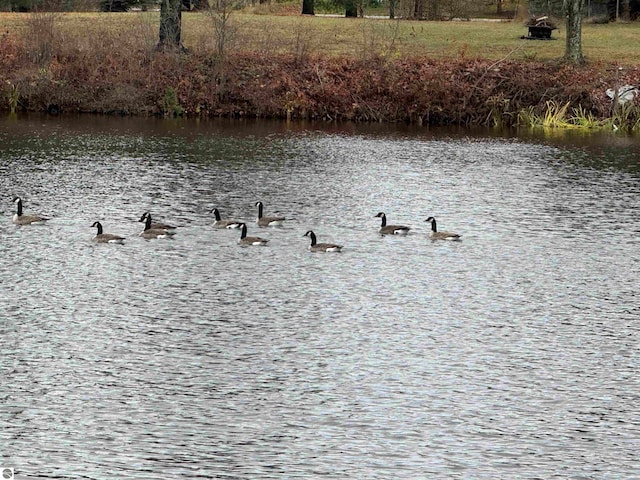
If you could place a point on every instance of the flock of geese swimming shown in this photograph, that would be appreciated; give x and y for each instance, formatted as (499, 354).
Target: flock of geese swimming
(153, 230)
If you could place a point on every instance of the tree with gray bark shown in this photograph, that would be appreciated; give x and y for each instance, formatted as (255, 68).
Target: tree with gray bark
(351, 10)
(308, 7)
(170, 25)
(573, 13)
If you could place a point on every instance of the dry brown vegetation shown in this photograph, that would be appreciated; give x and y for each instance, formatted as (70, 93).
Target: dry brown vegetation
(298, 67)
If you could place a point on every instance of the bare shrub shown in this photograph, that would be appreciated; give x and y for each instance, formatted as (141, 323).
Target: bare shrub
(303, 40)
(379, 39)
(145, 33)
(41, 34)
(224, 30)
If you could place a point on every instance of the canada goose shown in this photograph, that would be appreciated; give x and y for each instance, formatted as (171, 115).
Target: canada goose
(434, 234)
(391, 229)
(156, 225)
(106, 237)
(267, 221)
(244, 240)
(20, 219)
(321, 247)
(150, 232)
(224, 223)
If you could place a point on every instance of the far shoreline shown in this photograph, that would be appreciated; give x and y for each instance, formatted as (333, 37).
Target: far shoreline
(104, 72)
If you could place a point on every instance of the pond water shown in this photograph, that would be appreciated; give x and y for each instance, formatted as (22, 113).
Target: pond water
(510, 354)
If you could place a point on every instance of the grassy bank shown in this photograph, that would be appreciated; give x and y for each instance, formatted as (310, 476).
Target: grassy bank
(310, 67)
(615, 42)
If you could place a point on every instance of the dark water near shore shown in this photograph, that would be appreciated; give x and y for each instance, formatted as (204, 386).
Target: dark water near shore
(511, 354)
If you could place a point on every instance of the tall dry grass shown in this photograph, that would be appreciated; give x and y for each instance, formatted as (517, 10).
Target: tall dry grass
(42, 35)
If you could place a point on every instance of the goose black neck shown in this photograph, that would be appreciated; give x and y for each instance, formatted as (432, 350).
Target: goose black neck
(384, 220)
(99, 225)
(244, 231)
(259, 209)
(313, 238)
(147, 223)
(19, 207)
(434, 228)
(216, 213)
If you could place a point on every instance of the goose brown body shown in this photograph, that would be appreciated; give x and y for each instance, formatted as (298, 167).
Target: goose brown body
(224, 222)
(156, 225)
(434, 234)
(391, 229)
(150, 232)
(321, 247)
(20, 219)
(106, 237)
(245, 240)
(264, 221)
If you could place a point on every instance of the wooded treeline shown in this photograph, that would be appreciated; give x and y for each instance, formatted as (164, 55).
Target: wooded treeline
(415, 9)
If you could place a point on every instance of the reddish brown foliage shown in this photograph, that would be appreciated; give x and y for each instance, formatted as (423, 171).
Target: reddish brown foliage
(419, 90)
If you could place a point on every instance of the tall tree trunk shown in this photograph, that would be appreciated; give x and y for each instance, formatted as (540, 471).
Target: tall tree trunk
(573, 48)
(170, 25)
(350, 8)
(418, 10)
(308, 7)
(392, 8)
(433, 10)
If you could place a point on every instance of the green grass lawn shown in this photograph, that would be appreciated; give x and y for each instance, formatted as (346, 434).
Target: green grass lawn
(615, 42)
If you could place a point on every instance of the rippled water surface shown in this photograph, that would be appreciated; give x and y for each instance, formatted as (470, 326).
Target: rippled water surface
(511, 354)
